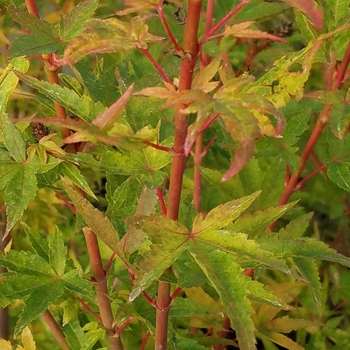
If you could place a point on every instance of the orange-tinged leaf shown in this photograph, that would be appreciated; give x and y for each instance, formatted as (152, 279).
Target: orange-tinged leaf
(241, 30)
(113, 112)
(107, 36)
(202, 80)
(243, 155)
(309, 7)
(143, 5)
(156, 91)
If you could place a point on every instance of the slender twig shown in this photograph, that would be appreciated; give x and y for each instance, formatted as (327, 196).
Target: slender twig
(223, 21)
(302, 182)
(190, 47)
(117, 333)
(161, 201)
(156, 65)
(161, 148)
(144, 340)
(167, 29)
(55, 329)
(87, 308)
(58, 194)
(175, 293)
(101, 288)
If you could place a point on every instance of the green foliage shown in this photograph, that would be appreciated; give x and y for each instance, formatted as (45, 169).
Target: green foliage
(175, 187)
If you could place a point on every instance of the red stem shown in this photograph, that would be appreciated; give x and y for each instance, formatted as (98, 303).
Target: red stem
(223, 21)
(117, 333)
(55, 329)
(168, 30)
(302, 182)
(101, 288)
(156, 65)
(87, 308)
(161, 201)
(32, 8)
(178, 161)
(66, 202)
(176, 293)
(144, 340)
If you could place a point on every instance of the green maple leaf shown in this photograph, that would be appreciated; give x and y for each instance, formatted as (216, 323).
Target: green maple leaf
(39, 281)
(43, 37)
(220, 254)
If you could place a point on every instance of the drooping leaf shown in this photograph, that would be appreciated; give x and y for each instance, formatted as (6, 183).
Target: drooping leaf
(228, 280)
(242, 157)
(84, 107)
(108, 117)
(73, 24)
(19, 191)
(309, 7)
(43, 37)
(96, 220)
(109, 35)
(241, 30)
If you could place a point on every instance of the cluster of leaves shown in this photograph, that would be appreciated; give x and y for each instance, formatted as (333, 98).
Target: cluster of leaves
(261, 119)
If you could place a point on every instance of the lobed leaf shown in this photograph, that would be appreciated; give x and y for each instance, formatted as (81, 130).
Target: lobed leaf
(43, 36)
(169, 241)
(73, 24)
(309, 7)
